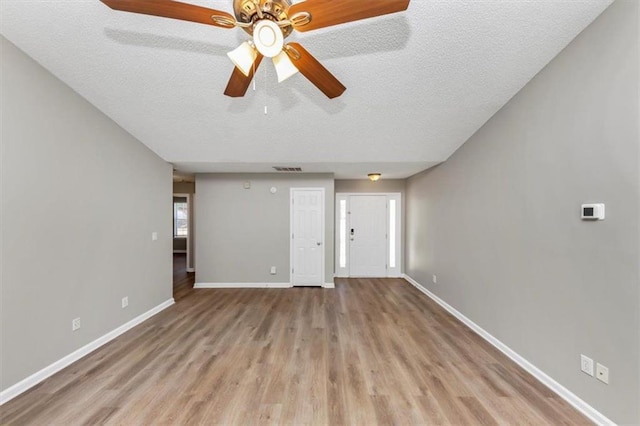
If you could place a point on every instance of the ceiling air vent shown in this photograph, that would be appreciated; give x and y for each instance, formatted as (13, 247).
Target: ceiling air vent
(288, 169)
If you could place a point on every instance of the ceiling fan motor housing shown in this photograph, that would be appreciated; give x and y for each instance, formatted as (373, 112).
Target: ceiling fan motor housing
(274, 10)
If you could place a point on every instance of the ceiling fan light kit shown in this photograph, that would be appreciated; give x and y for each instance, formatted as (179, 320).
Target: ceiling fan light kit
(243, 57)
(284, 67)
(270, 22)
(268, 38)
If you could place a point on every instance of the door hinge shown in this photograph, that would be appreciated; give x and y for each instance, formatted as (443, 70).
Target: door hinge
(293, 236)
(292, 270)
(386, 266)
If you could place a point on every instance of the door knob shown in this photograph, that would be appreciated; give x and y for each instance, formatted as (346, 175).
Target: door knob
(319, 244)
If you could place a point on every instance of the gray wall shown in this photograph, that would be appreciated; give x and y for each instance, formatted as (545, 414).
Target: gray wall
(184, 187)
(241, 233)
(74, 187)
(365, 185)
(383, 185)
(179, 245)
(499, 221)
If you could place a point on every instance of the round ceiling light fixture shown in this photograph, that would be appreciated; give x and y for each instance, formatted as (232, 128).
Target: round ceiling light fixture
(373, 177)
(268, 38)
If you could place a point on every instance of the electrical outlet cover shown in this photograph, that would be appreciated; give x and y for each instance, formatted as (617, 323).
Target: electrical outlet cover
(586, 365)
(602, 373)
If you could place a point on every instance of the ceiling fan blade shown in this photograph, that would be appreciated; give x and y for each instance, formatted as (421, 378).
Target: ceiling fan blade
(239, 83)
(314, 71)
(175, 10)
(325, 13)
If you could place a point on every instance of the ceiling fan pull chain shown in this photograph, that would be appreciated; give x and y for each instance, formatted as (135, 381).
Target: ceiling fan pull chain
(265, 92)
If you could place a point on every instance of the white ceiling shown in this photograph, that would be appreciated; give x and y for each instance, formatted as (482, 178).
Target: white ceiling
(419, 83)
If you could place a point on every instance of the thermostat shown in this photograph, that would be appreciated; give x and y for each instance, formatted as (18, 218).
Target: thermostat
(593, 211)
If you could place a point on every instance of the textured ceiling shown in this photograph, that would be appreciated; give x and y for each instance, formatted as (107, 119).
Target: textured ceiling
(419, 83)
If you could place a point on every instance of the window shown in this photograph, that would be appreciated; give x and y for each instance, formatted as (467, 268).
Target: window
(180, 215)
(392, 233)
(343, 233)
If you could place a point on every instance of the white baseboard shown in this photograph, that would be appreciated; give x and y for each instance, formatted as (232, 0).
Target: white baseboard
(556, 387)
(366, 276)
(242, 285)
(191, 269)
(26, 384)
(252, 285)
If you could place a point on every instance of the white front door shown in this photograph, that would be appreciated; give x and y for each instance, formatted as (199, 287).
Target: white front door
(368, 236)
(307, 237)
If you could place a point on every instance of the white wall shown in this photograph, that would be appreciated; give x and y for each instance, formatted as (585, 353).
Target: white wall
(80, 199)
(499, 221)
(241, 233)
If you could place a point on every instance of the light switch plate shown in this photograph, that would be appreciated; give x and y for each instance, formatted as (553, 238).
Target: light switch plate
(586, 365)
(154, 236)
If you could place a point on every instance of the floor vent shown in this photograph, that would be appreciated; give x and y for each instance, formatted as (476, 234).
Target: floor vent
(288, 169)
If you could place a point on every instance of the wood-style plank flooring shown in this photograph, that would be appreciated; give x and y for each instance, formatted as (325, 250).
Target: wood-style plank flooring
(182, 280)
(371, 351)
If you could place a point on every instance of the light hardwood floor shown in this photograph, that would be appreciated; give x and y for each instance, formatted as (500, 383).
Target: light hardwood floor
(371, 351)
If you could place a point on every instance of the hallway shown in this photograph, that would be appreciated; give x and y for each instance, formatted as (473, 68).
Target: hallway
(182, 280)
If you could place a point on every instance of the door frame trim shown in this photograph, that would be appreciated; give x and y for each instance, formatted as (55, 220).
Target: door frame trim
(189, 226)
(400, 237)
(322, 232)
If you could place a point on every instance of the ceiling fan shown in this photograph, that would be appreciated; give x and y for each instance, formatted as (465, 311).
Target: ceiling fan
(269, 22)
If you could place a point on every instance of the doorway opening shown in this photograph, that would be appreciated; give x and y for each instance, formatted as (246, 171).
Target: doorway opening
(183, 275)
(368, 235)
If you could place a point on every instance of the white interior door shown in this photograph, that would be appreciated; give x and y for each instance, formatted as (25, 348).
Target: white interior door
(307, 236)
(368, 236)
